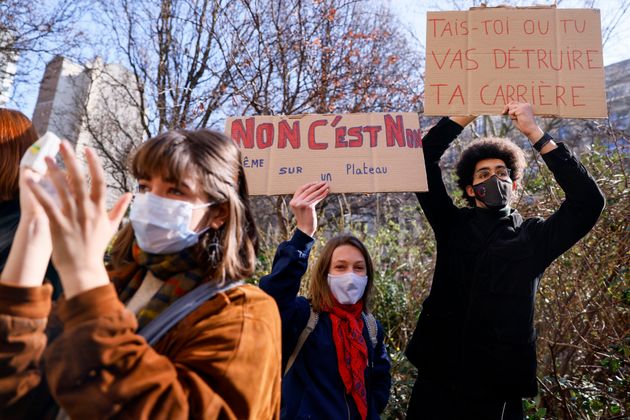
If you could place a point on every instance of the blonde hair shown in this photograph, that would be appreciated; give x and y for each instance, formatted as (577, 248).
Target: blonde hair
(215, 162)
(320, 294)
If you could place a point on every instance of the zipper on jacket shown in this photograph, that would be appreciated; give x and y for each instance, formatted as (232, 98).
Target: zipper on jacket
(345, 398)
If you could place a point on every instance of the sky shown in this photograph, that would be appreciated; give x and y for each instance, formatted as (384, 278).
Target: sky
(412, 14)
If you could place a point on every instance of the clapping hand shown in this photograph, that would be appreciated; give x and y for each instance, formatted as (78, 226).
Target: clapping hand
(80, 225)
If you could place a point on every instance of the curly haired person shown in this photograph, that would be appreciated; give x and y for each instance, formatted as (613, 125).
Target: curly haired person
(475, 342)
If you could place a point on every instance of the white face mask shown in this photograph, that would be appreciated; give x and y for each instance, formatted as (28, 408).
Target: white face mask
(162, 225)
(347, 288)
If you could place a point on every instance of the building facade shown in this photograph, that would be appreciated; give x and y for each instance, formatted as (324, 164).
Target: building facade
(618, 93)
(8, 61)
(93, 105)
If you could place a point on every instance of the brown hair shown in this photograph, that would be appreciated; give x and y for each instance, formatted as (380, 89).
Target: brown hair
(489, 148)
(17, 134)
(320, 294)
(215, 162)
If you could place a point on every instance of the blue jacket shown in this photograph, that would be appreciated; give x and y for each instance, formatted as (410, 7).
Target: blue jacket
(313, 389)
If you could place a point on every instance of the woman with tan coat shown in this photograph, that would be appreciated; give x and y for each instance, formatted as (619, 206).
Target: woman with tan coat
(191, 228)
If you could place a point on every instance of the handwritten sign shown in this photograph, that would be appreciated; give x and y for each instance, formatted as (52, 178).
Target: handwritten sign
(374, 152)
(481, 59)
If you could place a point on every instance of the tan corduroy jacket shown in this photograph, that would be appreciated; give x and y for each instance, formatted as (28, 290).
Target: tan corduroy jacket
(222, 361)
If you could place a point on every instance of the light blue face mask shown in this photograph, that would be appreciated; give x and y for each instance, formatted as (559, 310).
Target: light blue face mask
(162, 225)
(347, 288)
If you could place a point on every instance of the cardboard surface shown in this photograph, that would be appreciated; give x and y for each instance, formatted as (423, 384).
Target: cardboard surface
(479, 60)
(375, 152)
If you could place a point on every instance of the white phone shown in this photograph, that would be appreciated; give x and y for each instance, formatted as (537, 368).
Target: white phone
(46, 145)
(34, 158)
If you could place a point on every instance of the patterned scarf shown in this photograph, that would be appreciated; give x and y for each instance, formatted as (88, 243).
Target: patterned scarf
(352, 352)
(180, 273)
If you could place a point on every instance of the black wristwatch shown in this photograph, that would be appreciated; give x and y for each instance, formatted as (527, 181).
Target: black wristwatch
(546, 138)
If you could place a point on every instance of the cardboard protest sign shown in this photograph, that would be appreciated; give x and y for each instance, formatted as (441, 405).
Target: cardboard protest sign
(374, 152)
(479, 60)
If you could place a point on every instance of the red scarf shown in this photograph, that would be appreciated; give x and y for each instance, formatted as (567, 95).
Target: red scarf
(352, 352)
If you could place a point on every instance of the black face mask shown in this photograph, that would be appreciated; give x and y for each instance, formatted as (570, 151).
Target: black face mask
(493, 192)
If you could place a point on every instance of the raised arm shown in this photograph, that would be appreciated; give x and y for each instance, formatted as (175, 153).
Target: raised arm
(579, 211)
(436, 203)
(290, 264)
(24, 308)
(28, 259)
(291, 259)
(463, 121)
(522, 116)
(583, 202)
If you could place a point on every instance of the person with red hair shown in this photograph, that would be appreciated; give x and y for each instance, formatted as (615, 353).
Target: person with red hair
(17, 134)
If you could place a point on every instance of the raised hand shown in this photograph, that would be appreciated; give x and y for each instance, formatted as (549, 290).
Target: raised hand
(303, 205)
(522, 115)
(80, 225)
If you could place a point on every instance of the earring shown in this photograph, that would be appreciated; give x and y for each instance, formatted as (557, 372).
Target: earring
(213, 247)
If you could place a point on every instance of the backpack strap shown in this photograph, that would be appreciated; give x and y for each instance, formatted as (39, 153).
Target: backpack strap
(370, 323)
(181, 308)
(310, 326)
(368, 319)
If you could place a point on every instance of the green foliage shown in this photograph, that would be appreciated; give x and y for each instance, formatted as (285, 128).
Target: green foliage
(583, 310)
